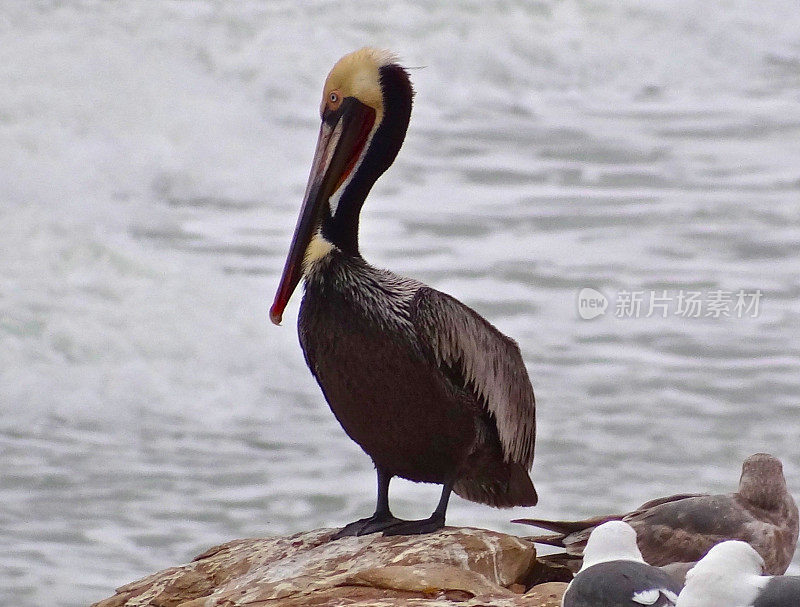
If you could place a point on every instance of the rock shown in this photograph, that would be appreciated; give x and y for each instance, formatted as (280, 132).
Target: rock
(461, 566)
(548, 594)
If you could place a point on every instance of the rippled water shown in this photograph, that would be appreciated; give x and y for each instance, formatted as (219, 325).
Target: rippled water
(152, 161)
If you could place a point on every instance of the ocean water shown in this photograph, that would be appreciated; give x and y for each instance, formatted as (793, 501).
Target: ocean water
(152, 161)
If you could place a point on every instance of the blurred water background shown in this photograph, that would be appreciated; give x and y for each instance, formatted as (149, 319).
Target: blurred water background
(152, 160)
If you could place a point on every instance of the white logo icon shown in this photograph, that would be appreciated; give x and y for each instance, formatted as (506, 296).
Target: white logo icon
(591, 303)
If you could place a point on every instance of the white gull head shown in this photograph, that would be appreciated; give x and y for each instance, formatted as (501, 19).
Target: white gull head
(729, 574)
(611, 541)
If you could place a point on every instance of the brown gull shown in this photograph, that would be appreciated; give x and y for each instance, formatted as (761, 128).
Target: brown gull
(680, 529)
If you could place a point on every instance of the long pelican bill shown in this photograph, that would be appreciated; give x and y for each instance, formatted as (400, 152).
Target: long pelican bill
(340, 145)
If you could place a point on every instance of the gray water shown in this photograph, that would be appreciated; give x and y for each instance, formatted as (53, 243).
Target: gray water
(152, 161)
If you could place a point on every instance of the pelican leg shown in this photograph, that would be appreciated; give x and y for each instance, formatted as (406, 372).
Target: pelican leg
(379, 521)
(426, 525)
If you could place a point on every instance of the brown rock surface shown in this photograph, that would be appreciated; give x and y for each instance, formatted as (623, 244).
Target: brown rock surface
(463, 566)
(548, 594)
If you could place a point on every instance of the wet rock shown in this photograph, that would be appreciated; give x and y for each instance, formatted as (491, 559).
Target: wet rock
(461, 566)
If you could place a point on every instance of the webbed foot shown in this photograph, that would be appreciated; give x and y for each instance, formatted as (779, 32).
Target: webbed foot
(417, 527)
(368, 525)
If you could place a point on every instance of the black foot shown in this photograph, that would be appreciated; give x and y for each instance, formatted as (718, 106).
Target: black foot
(426, 525)
(365, 526)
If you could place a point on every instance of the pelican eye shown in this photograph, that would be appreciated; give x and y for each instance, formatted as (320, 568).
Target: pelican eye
(334, 100)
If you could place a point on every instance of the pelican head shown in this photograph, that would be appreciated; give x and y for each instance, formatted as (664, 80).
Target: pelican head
(365, 109)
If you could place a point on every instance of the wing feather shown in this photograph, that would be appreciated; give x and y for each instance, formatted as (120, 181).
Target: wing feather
(490, 363)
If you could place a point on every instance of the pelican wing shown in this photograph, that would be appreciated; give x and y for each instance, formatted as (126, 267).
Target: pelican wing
(472, 352)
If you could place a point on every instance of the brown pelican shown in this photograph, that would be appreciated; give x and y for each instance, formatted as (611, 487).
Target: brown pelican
(681, 528)
(430, 390)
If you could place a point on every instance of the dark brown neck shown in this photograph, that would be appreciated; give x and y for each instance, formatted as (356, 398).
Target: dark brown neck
(342, 228)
